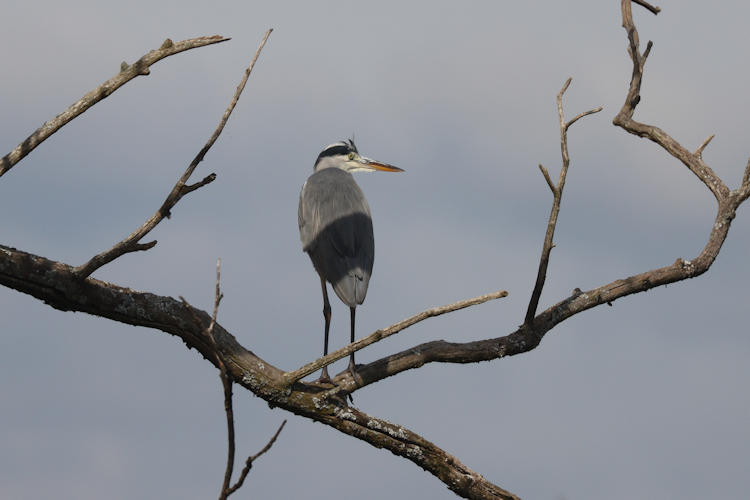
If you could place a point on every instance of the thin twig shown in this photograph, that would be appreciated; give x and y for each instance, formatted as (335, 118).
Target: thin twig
(547, 178)
(581, 115)
(557, 191)
(217, 300)
(378, 335)
(179, 190)
(653, 8)
(699, 151)
(127, 73)
(189, 188)
(251, 459)
(226, 383)
(746, 177)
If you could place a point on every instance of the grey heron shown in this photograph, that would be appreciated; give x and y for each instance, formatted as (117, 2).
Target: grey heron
(335, 227)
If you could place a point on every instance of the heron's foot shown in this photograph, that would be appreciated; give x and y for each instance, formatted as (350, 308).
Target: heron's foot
(353, 370)
(324, 378)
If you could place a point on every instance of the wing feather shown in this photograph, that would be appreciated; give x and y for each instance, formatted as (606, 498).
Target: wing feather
(336, 231)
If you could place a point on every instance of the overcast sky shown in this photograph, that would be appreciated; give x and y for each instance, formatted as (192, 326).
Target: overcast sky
(645, 399)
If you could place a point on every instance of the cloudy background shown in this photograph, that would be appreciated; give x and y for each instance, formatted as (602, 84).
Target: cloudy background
(645, 399)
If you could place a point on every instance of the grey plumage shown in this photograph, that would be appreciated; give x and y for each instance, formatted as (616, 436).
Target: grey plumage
(336, 231)
(335, 227)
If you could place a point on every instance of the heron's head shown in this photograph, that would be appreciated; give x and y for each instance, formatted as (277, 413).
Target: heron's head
(344, 155)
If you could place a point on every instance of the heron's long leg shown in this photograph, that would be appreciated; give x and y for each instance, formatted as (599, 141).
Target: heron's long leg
(327, 315)
(351, 356)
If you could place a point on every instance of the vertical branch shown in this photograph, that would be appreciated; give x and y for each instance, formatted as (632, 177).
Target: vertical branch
(227, 384)
(557, 191)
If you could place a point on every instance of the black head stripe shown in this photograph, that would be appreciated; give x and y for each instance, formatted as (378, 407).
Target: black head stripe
(339, 148)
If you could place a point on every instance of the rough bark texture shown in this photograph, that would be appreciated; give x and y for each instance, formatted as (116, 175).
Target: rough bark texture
(68, 288)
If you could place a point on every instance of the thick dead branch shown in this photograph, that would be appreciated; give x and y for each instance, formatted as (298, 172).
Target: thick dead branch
(180, 189)
(127, 73)
(56, 284)
(60, 286)
(557, 191)
(379, 335)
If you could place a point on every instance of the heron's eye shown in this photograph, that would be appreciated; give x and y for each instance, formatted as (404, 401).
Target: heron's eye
(351, 156)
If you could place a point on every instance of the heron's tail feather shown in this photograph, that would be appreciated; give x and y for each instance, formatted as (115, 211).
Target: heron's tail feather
(352, 288)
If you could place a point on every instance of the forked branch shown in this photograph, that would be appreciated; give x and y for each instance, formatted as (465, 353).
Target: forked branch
(60, 286)
(624, 119)
(180, 189)
(557, 191)
(227, 382)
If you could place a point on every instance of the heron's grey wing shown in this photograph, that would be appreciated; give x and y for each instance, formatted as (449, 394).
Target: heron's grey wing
(336, 231)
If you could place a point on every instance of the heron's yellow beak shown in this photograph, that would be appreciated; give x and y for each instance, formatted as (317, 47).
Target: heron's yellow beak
(384, 167)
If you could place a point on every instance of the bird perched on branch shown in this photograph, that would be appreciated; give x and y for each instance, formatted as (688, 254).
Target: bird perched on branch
(335, 227)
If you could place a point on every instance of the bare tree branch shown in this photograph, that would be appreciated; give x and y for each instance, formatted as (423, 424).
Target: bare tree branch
(252, 458)
(64, 287)
(624, 118)
(530, 334)
(55, 284)
(746, 177)
(378, 335)
(548, 179)
(218, 296)
(127, 73)
(655, 10)
(226, 382)
(179, 190)
(557, 191)
(699, 151)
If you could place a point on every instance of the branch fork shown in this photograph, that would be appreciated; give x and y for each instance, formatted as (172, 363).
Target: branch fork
(61, 286)
(180, 189)
(557, 191)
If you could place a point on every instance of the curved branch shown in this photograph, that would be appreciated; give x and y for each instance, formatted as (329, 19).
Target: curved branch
(127, 73)
(530, 334)
(528, 337)
(624, 118)
(60, 286)
(56, 284)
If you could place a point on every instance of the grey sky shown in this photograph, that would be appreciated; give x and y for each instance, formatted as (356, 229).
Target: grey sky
(647, 398)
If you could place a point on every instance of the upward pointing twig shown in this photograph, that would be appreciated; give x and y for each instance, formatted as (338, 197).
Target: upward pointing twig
(180, 189)
(557, 191)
